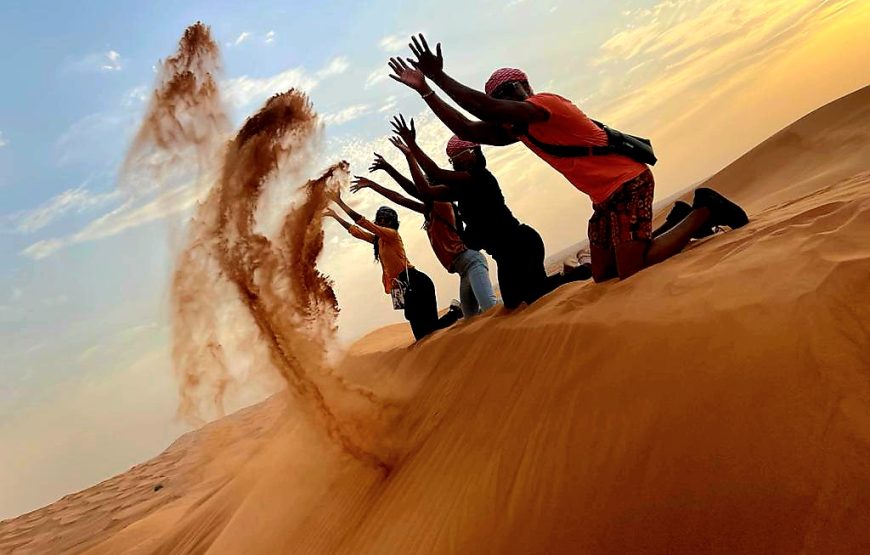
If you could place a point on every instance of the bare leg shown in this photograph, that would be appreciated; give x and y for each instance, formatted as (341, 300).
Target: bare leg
(603, 264)
(633, 256)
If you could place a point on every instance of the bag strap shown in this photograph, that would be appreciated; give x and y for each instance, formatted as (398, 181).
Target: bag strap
(566, 151)
(405, 255)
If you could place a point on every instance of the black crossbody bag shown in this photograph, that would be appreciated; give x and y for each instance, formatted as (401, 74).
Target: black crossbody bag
(632, 146)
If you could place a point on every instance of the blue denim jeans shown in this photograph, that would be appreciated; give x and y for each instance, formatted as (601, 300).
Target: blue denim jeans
(475, 289)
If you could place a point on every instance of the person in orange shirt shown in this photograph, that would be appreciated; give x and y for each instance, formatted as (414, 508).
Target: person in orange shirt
(411, 289)
(444, 231)
(621, 188)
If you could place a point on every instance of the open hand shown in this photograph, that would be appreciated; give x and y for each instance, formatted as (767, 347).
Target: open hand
(400, 144)
(407, 75)
(379, 164)
(359, 183)
(402, 129)
(330, 213)
(334, 195)
(428, 63)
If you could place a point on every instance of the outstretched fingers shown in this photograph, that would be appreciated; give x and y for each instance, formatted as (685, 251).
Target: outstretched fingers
(415, 48)
(425, 44)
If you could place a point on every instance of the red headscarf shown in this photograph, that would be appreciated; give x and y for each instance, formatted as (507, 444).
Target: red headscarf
(504, 75)
(456, 145)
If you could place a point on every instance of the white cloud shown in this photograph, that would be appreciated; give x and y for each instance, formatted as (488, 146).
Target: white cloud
(335, 66)
(98, 61)
(389, 103)
(136, 211)
(3, 142)
(42, 249)
(347, 114)
(240, 39)
(677, 48)
(112, 61)
(244, 91)
(394, 42)
(78, 199)
(124, 217)
(376, 77)
(270, 37)
(432, 136)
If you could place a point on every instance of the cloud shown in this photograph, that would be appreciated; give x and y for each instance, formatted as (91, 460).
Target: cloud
(244, 91)
(270, 37)
(394, 42)
(78, 200)
(389, 103)
(109, 61)
(684, 49)
(335, 66)
(347, 114)
(432, 136)
(376, 77)
(239, 92)
(112, 61)
(42, 249)
(240, 39)
(3, 142)
(126, 216)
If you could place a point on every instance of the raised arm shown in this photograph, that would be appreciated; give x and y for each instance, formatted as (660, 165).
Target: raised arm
(360, 183)
(464, 128)
(481, 105)
(406, 184)
(365, 236)
(354, 215)
(434, 192)
(435, 174)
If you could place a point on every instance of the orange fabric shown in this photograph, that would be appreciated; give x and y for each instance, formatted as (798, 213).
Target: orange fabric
(391, 249)
(359, 233)
(441, 228)
(597, 176)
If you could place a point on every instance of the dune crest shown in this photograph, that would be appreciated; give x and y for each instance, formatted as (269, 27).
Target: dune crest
(716, 403)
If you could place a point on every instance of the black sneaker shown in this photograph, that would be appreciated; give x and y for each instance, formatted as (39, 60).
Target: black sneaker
(676, 215)
(722, 211)
(455, 307)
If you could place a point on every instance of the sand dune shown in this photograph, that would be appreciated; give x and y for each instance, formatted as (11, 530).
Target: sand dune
(716, 403)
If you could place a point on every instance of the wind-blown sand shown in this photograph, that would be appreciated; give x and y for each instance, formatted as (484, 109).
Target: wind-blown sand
(718, 402)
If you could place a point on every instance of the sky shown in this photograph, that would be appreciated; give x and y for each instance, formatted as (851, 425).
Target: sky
(86, 386)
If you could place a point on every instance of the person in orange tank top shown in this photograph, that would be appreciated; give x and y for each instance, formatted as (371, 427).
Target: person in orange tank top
(417, 292)
(622, 241)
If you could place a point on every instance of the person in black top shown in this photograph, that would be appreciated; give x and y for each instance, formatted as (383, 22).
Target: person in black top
(517, 248)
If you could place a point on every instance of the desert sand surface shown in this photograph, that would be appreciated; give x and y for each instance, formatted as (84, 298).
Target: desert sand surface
(716, 403)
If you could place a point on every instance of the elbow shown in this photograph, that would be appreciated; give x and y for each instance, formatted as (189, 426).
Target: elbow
(466, 133)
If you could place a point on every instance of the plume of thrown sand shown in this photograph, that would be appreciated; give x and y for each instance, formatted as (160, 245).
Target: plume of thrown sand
(245, 307)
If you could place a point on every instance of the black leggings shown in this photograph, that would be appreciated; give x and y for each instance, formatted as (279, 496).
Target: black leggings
(421, 307)
(521, 274)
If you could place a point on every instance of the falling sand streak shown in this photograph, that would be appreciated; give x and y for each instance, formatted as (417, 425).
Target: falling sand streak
(185, 116)
(233, 288)
(295, 319)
